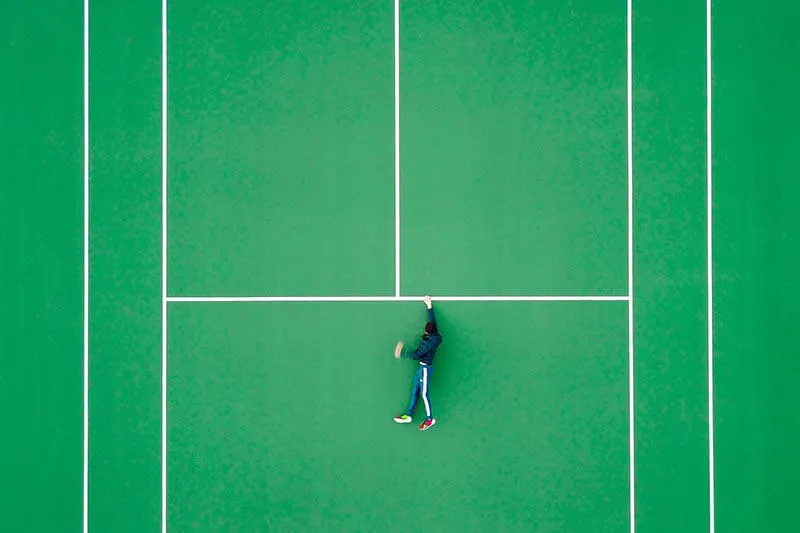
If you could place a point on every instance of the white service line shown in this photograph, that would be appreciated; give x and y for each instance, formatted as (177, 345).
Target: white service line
(312, 299)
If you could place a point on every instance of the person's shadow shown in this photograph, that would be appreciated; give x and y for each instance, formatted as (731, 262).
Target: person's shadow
(460, 367)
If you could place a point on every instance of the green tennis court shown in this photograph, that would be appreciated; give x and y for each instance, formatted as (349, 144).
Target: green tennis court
(221, 216)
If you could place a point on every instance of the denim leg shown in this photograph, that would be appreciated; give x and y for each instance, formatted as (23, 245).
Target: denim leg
(415, 388)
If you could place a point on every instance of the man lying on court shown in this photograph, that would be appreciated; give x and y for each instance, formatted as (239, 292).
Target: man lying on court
(424, 353)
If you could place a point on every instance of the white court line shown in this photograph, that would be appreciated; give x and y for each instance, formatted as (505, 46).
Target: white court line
(631, 413)
(85, 266)
(317, 299)
(397, 147)
(710, 266)
(164, 266)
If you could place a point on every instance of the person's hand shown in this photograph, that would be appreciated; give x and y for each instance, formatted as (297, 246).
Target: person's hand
(398, 350)
(428, 302)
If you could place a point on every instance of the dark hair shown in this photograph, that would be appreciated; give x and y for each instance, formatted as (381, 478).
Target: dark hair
(430, 327)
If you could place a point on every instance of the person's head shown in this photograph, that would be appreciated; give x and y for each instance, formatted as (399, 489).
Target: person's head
(430, 327)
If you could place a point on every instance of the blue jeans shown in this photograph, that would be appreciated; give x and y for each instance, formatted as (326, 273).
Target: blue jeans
(421, 388)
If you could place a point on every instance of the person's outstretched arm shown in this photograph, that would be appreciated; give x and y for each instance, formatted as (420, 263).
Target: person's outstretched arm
(401, 350)
(429, 305)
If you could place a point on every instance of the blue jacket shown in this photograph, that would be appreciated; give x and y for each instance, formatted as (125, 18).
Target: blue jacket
(427, 346)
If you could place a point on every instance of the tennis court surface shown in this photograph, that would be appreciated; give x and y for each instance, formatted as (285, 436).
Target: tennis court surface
(241, 205)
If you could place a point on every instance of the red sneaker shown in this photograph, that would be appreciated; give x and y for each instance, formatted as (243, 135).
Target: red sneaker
(427, 424)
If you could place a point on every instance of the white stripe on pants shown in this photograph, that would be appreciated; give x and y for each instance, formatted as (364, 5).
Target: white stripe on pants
(425, 391)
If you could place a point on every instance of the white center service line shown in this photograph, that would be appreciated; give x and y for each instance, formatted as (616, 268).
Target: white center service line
(397, 148)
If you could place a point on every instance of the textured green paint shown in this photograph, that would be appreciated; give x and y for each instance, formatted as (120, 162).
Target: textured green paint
(125, 373)
(280, 418)
(513, 128)
(281, 167)
(756, 253)
(281, 148)
(41, 244)
(670, 267)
